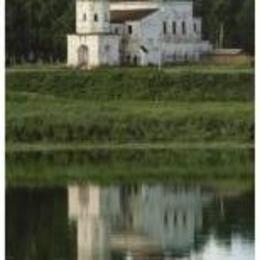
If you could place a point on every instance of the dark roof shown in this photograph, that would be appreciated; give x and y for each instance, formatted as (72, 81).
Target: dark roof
(120, 16)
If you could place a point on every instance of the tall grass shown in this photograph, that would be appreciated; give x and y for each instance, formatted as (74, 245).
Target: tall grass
(133, 84)
(129, 105)
(39, 118)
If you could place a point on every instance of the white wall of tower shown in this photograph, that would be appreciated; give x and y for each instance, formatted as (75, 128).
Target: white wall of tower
(92, 16)
(102, 49)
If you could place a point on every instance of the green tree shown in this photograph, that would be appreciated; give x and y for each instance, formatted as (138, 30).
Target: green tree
(246, 24)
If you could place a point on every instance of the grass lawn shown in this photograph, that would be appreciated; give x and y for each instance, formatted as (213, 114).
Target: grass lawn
(33, 117)
(131, 105)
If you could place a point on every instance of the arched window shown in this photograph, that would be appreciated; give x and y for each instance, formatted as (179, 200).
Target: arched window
(175, 219)
(195, 27)
(183, 24)
(135, 60)
(173, 27)
(95, 17)
(130, 29)
(84, 17)
(83, 55)
(184, 219)
(164, 27)
(165, 219)
(107, 56)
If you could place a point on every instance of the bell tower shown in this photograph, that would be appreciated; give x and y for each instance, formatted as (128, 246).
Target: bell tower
(92, 16)
(93, 44)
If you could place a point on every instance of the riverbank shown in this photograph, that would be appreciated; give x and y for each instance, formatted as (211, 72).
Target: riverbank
(37, 118)
(130, 125)
(129, 106)
(133, 165)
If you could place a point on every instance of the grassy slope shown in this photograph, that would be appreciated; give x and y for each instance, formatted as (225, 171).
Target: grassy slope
(32, 118)
(134, 122)
(130, 106)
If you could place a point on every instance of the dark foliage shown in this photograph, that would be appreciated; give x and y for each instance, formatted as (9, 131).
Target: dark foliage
(36, 30)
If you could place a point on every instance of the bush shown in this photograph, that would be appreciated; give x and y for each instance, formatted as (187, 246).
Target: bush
(136, 84)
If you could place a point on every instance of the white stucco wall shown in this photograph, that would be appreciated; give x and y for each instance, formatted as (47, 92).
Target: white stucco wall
(164, 47)
(108, 50)
(117, 28)
(102, 49)
(77, 40)
(85, 16)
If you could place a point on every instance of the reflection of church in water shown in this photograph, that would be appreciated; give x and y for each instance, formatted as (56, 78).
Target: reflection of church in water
(135, 221)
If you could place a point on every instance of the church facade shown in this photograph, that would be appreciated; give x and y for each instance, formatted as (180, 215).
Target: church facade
(137, 32)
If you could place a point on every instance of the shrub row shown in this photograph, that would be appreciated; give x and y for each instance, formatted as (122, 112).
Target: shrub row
(140, 84)
(123, 130)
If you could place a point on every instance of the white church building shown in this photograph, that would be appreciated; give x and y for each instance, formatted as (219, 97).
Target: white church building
(135, 32)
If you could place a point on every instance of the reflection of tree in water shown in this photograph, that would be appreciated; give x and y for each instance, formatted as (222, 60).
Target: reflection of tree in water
(36, 225)
(144, 215)
(227, 217)
(235, 218)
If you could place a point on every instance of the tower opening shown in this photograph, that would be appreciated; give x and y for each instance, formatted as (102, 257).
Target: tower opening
(83, 55)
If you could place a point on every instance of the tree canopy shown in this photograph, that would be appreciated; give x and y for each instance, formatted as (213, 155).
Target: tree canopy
(36, 29)
(234, 17)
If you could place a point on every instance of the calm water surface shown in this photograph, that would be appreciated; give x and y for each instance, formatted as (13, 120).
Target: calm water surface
(144, 221)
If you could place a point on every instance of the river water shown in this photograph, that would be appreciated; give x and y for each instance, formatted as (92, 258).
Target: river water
(86, 221)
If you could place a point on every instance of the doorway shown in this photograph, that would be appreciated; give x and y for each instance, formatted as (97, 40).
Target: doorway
(83, 55)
